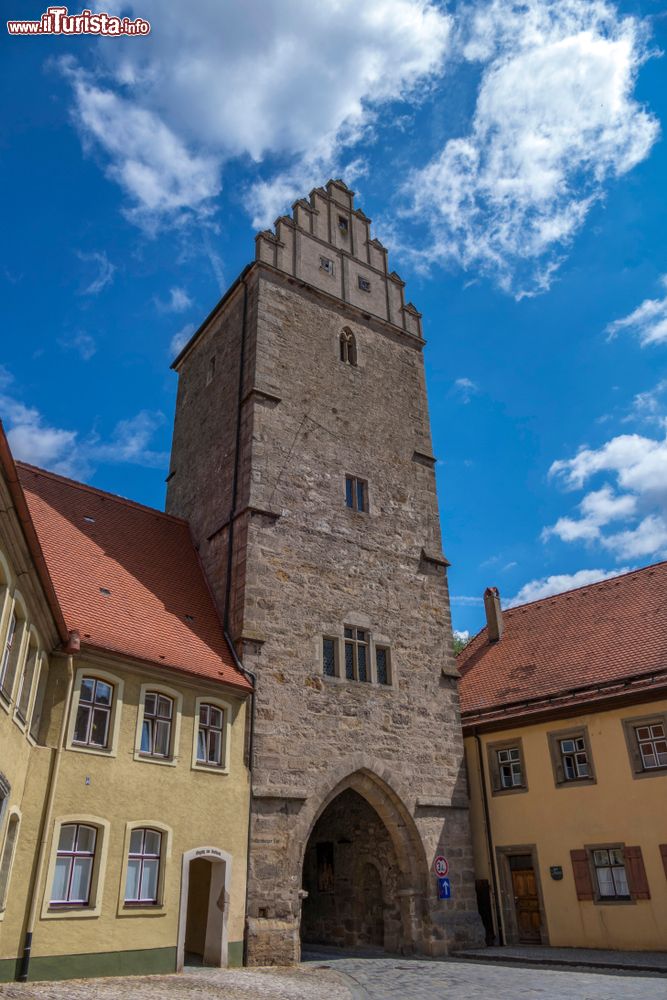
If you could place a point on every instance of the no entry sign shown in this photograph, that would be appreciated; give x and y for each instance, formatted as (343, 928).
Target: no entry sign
(441, 866)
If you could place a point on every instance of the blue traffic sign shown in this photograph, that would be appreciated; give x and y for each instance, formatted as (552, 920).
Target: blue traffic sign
(444, 888)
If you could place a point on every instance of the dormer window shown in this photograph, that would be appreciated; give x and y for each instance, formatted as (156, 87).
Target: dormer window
(348, 348)
(343, 224)
(364, 284)
(326, 265)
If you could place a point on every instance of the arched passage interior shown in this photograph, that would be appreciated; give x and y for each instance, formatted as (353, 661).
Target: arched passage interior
(352, 877)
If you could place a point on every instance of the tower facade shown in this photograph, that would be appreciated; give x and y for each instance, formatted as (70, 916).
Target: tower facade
(302, 459)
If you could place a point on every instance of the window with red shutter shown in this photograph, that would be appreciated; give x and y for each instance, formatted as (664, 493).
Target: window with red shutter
(636, 873)
(582, 874)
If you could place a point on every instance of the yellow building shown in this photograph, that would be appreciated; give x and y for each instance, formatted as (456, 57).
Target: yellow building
(124, 786)
(564, 711)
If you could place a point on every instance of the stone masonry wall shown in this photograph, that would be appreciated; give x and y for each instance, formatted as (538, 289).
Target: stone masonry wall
(306, 566)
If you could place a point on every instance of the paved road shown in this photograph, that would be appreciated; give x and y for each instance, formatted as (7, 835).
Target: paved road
(414, 979)
(352, 978)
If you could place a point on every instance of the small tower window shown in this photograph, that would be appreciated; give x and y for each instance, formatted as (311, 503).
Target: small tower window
(356, 494)
(348, 348)
(326, 265)
(210, 373)
(343, 224)
(364, 284)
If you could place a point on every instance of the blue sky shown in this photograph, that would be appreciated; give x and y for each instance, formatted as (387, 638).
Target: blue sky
(512, 158)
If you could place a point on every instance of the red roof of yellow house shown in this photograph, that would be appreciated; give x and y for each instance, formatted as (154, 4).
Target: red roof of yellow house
(608, 637)
(127, 577)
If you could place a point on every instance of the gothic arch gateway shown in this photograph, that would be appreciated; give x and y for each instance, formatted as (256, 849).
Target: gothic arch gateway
(363, 869)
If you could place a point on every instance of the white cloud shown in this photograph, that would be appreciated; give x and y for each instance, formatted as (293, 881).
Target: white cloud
(178, 301)
(284, 77)
(465, 389)
(465, 601)
(648, 321)
(144, 156)
(32, 439)
(462, 636)
(637, 496)
(180, 339)
(535, 590)
(105, 271)
(555, 121)
(80, 342)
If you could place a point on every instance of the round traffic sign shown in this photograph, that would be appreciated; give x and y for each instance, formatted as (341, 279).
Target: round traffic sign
(441, 866)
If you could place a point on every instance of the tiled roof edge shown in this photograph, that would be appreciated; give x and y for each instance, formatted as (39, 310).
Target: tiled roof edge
(98, 492)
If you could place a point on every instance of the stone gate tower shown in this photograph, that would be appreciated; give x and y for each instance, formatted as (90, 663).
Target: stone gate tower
(302, 460)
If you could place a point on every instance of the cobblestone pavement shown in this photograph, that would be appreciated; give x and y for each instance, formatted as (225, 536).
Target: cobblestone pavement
(335, 977)
(414, 979)
(304, 983)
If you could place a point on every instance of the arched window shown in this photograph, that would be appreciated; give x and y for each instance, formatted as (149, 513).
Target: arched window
(348, 347)
(8, 857)
(30, 667)
(12, 649)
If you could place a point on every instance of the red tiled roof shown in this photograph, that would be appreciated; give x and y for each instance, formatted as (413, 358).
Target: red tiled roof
(604, 633)
(127, 577)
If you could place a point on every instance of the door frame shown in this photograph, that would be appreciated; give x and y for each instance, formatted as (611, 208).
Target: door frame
(217, 858)
(508, 909)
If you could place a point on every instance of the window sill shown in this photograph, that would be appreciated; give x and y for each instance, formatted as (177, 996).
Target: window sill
(621, 901)
(73, 911)
(147, 759)
(95, 751)
(651, 772)
(574, 782)
(210, 768)
(371, 685)
(142, 910)
(509, 791)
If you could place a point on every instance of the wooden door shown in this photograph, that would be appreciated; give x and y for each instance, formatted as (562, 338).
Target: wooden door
(527, 905)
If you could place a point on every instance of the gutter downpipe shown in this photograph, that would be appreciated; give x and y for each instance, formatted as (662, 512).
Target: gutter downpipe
(228, 593)
(46, 821)
(251, 743)
(237, 451)
(489, 840)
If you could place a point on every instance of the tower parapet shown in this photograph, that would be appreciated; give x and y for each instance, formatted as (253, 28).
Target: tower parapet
(327, 243)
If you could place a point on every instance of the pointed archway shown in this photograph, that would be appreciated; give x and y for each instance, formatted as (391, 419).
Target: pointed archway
(363, 869)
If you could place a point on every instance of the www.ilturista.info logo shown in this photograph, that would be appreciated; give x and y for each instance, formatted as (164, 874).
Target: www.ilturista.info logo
(57, 21)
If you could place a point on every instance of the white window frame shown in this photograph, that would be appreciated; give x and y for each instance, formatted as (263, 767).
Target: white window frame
(34, 653)
(177, 713)
(63, 911)
(226, 708)
(111, 750)
(20, 640)
(143, 909)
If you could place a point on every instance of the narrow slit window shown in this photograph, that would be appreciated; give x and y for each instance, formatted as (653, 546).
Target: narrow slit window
(382, 664)
(329, 656)
(356, 494)
(348, 348)
(326, 264)
(5, 683)
(210, 372)
(343, 224)
(364, 284)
